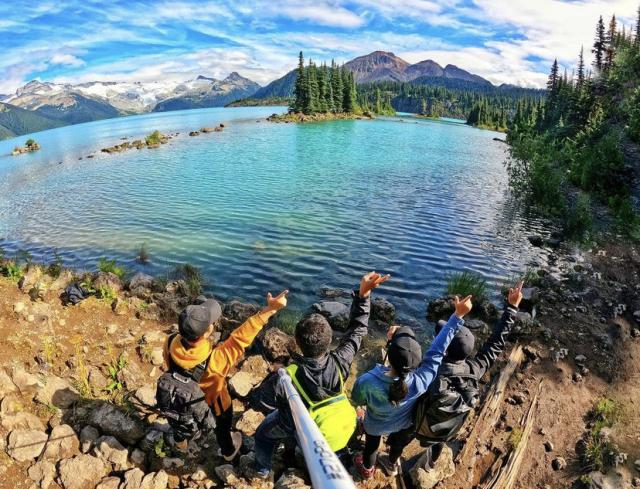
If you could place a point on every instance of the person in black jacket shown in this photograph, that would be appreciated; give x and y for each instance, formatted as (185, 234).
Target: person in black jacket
(321, 372)
(455, 392)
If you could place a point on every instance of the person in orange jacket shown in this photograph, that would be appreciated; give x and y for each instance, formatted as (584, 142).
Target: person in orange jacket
(191, 347)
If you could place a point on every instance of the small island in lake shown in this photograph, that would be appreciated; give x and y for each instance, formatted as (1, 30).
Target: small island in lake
(30, 146)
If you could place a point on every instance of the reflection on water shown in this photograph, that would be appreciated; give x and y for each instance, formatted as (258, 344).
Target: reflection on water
(265, 206)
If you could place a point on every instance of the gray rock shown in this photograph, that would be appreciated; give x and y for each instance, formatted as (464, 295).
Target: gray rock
(548, 446)
(383, 311)
(57, 392)
(580, 359)
(24, 445)
(336, 313)
(227, 474)
(239, 311)
(292, 479)
(63, 280)
(107, 279)
(427, 479)
(636, 464)
(42, 474)
(169, 463)
(243, 382)
(611, 480)
(32, 276)
(530, 297)
(81, 472)
(88, 436)
(137, 457)
(110, 450)
(141, 280)
(157, 480)
(112, 421)
(63, 443)
(157, 356)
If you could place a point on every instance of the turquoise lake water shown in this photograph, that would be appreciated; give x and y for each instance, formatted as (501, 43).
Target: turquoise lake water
(264, 206)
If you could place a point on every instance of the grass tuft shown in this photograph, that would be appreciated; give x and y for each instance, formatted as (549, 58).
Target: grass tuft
(466, 283)
(110, 266)
(192, 277)
(286, 321)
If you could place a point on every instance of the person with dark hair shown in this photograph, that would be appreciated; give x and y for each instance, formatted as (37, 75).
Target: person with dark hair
(190, 358)
(443, 409)
(390, 393)
(319, 375)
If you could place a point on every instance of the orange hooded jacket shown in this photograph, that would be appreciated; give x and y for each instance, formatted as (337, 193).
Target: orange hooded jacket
(224, 357)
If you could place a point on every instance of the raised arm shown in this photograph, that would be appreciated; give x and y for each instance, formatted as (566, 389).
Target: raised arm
(226, 354)
(350, 343)
(494, 345)
(428, 368)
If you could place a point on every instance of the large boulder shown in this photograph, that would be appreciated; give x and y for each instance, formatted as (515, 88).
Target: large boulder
(62, 281)
(108, 280)
(63, 443)
(277, 345)
(427, 479)
(81, 472)
(33, 275)
(335, 312)
(24, 445)
(239, 311)
(25, 382)
(383, 311)
(112, 421)
(22, 420)
(57, 392)
(292, 479)
(141, 281)
(110, 482)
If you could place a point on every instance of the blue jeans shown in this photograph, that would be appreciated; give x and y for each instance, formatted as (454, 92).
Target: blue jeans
(269, 434)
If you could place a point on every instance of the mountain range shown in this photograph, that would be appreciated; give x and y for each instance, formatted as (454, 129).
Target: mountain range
(41, 105)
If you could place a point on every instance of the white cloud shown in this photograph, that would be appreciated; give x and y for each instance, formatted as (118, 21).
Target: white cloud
(66, 59)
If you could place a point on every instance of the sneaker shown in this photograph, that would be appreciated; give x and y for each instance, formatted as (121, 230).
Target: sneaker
(236, 438)
(364, 472)
(390, 469)
(250, 470)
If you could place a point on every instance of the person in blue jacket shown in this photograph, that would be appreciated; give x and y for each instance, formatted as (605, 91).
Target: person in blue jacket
(390, 393)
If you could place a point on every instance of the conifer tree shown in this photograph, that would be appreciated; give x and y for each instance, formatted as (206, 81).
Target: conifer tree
(338, 95)
(600, 45)
(581, 74)
(552, 89)
(636, 41)
(300, 87)
(610, 43)
(312, 86)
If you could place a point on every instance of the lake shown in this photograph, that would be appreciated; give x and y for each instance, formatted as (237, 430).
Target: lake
(264, 206)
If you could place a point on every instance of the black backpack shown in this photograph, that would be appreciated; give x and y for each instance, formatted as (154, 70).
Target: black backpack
(180, 398)
(442, 410)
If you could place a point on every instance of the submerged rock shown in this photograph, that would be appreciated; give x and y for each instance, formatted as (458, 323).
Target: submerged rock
(383, 311)
(335, 312)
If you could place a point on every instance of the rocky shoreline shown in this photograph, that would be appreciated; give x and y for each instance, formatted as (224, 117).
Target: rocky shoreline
(77, 383)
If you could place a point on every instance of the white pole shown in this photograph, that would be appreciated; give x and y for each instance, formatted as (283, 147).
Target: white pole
(326, 470)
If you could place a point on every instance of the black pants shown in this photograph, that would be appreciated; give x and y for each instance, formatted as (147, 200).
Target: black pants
(396, 441)
(223, 431)
(434, 449)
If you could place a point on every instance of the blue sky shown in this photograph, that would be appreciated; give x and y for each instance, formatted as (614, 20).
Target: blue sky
(512, 41)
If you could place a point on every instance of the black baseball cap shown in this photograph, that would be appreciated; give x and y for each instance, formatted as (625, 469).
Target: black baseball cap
(404, 351)
(195, 319)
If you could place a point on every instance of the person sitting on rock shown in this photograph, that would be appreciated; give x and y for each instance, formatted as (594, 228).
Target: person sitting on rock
(390, 393)
(319, 375)
(190, 351)
(443, 409)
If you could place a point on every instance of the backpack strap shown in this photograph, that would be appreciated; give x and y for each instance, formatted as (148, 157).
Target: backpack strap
(194, 373)
(293, 369)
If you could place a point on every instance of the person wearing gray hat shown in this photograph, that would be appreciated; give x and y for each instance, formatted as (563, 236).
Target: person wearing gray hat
(190, 355)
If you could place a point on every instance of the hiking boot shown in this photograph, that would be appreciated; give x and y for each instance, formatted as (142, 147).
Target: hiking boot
(236, 438)
(389, 468)
(365, 473)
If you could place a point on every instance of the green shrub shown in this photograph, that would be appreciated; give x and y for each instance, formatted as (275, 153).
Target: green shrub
(578, 222)
(154, 138)
(627, 220)
(110, 266)
(600, 452)
(106, 293)
(12, 270)
(466, 283)
(54, 269)
(632, 109)
(192, 277)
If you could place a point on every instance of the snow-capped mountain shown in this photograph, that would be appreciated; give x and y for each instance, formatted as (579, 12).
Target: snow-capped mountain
(133, 97)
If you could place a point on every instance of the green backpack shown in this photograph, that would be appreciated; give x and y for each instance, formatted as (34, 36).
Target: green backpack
(335, 417)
